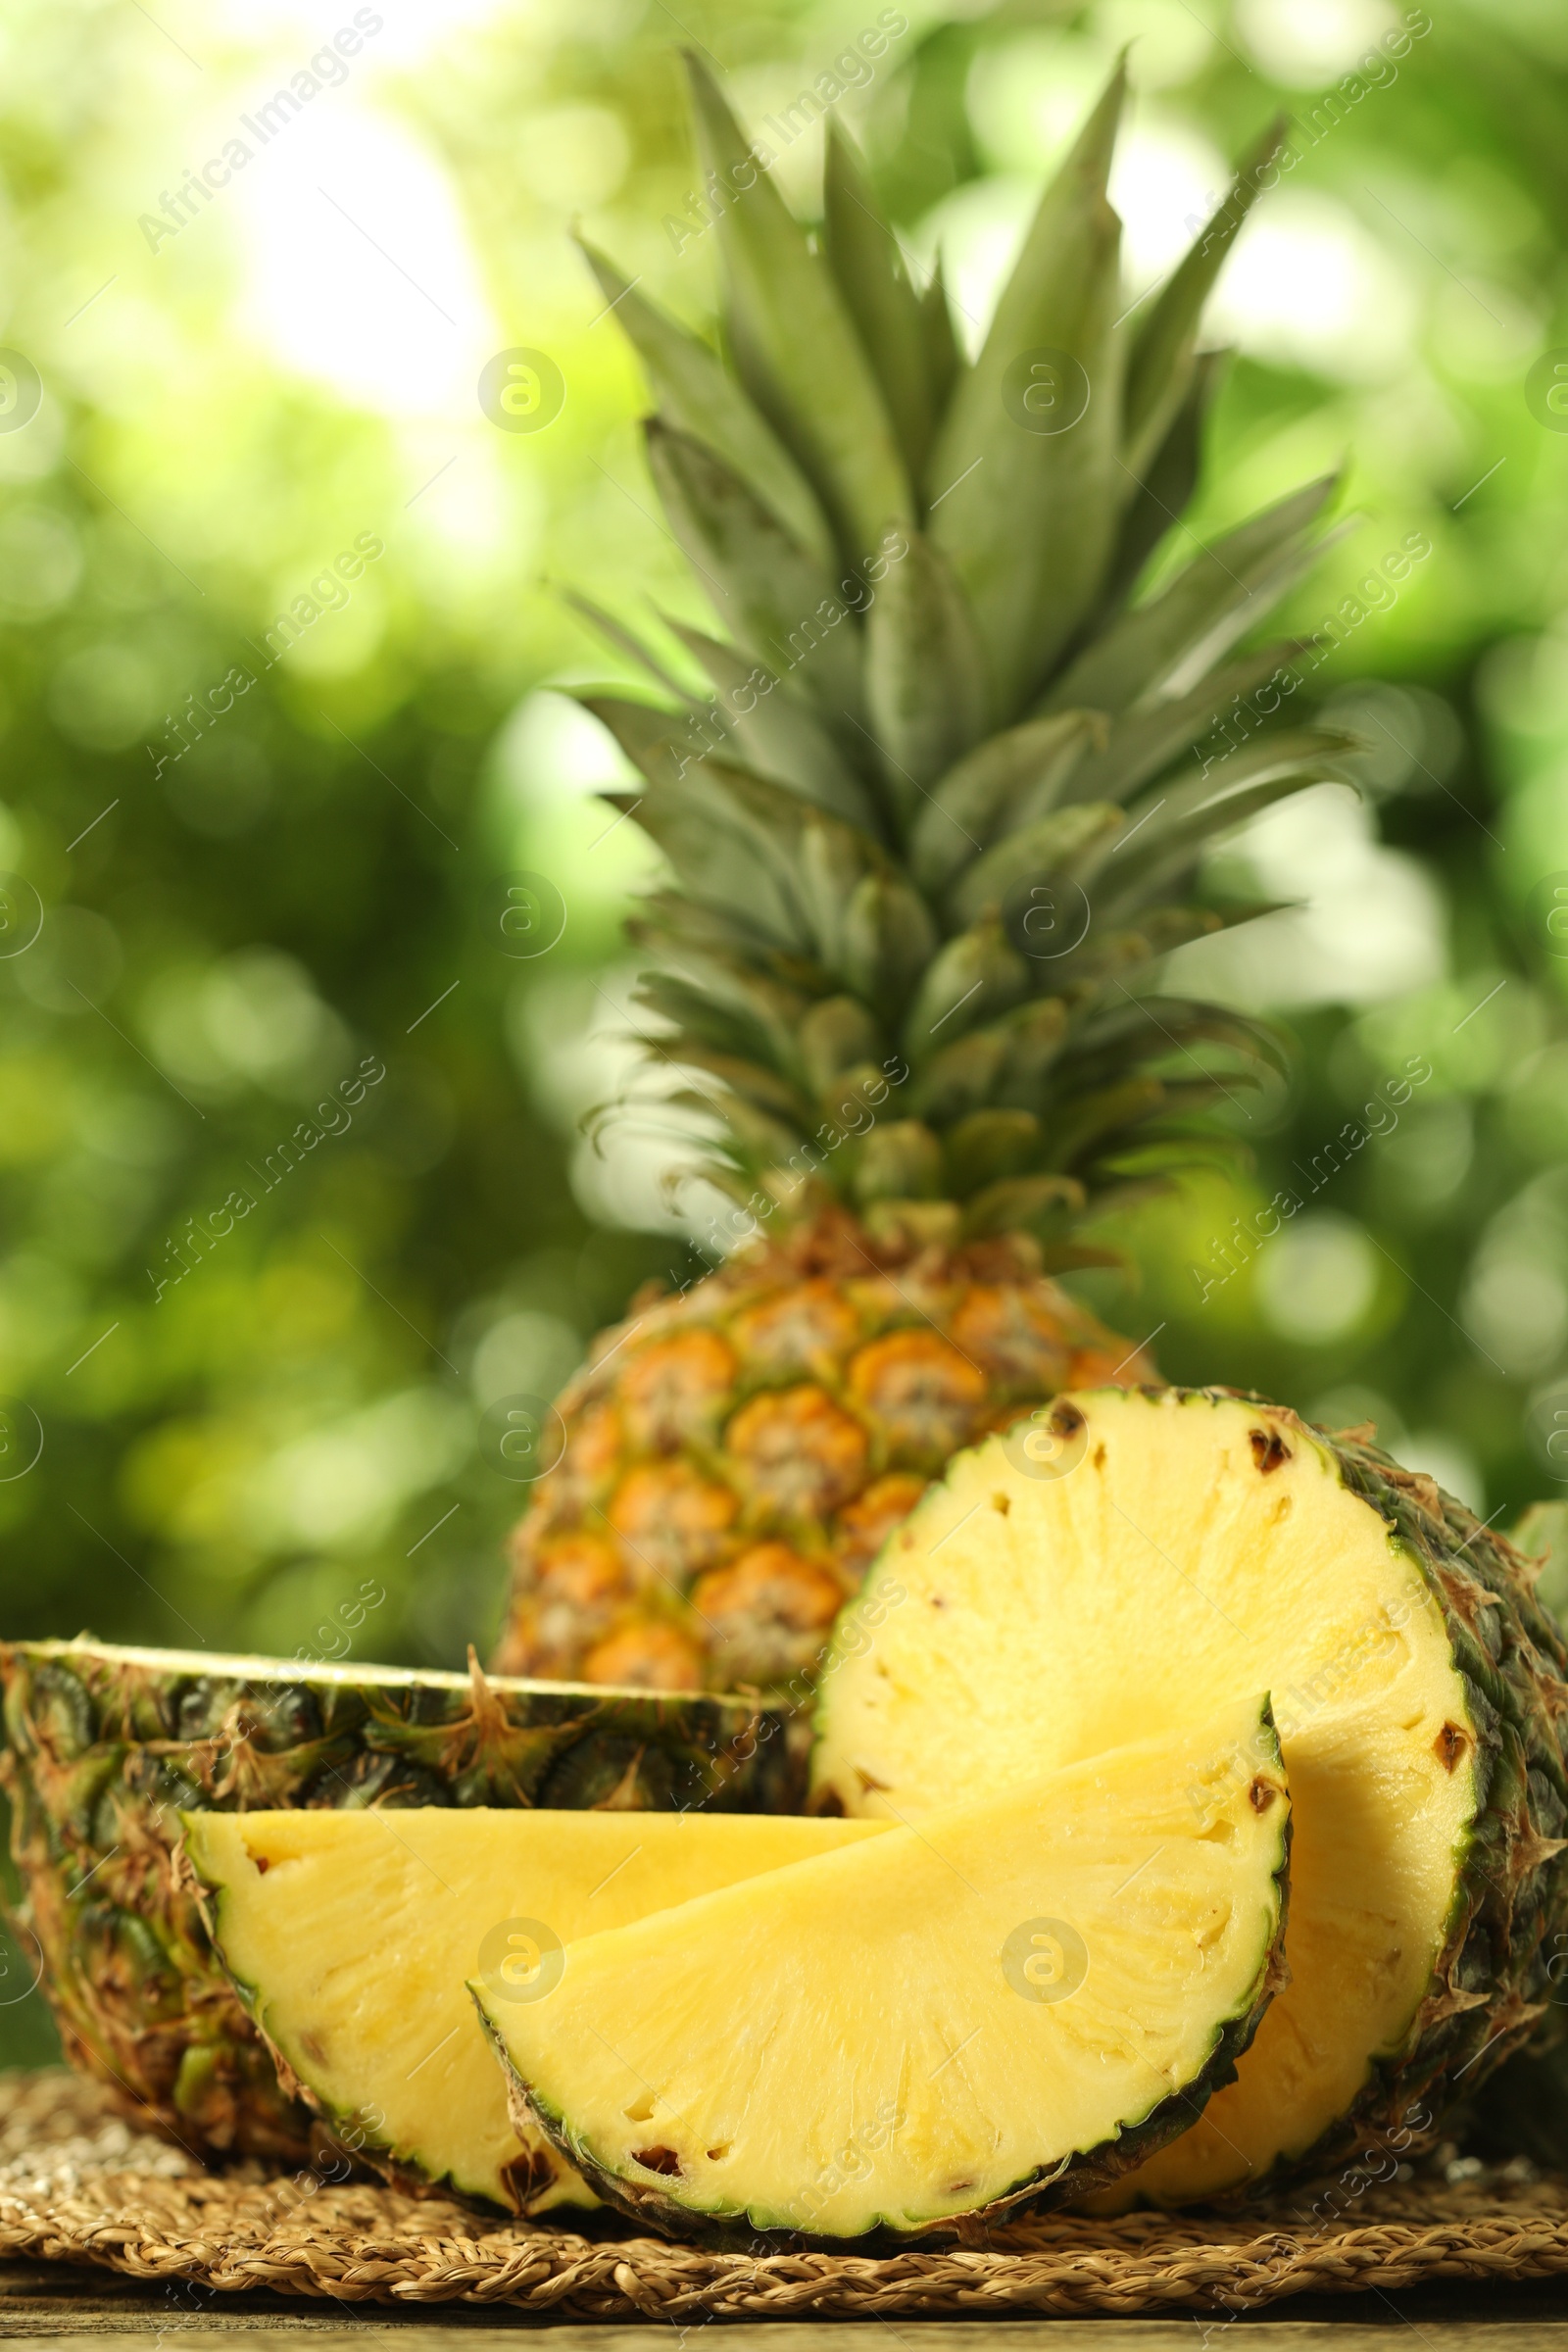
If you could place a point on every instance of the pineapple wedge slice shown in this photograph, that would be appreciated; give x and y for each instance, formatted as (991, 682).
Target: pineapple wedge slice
(1119, 1563)
(1016, 2000)
(349, 1936)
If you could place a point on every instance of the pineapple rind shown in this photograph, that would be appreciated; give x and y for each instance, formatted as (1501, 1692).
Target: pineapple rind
(105, 1745)
(1510, 1900)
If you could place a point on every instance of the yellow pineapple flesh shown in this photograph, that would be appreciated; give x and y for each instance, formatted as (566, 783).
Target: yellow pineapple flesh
(348, 1936)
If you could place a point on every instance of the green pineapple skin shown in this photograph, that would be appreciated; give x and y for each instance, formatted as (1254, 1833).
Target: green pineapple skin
(1492, 1986)
(1522, 2109)
(103, 1747)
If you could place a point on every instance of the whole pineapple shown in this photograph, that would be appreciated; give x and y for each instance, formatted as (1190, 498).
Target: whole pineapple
(929, 836)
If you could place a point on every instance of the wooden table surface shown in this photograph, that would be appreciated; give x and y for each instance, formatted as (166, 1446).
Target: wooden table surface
(77, 2307)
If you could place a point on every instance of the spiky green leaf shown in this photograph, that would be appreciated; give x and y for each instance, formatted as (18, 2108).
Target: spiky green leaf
(1053, 846)
(697, 394)
(988, 1145)
(1165, 1028)
(925, 686)
(1193, 808)
(1163, 341)
(718, 822)
(796, 349)
(1027, 515)
(1022, 1201)
(888, 941)
(625, 640)
(837, 1035)
(767, 588)
(715, 867)
(1193, 621)
(749, 1080)
(943, 360)
(1157, 492)
(1085, 1119)
(961, 1078)
(969, 805)
(724, 1010)
(966, 982)
(863, 254)
(775, 731)
(899, 1160)
(1220, 710)
(658, 742)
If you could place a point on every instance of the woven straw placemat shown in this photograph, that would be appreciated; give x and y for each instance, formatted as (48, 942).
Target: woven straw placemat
(79, 2185)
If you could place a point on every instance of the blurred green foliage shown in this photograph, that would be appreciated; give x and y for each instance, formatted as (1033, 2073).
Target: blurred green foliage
(230, 402)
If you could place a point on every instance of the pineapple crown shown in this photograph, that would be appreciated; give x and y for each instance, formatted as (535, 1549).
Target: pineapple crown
(940, 816)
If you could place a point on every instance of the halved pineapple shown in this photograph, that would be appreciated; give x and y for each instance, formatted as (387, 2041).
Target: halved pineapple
(1013, 2001)
(1125, 1559)
(349, 1936)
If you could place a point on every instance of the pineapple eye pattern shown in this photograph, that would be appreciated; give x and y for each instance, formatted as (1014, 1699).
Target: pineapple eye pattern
(522, 1960)
(1045, 1960)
